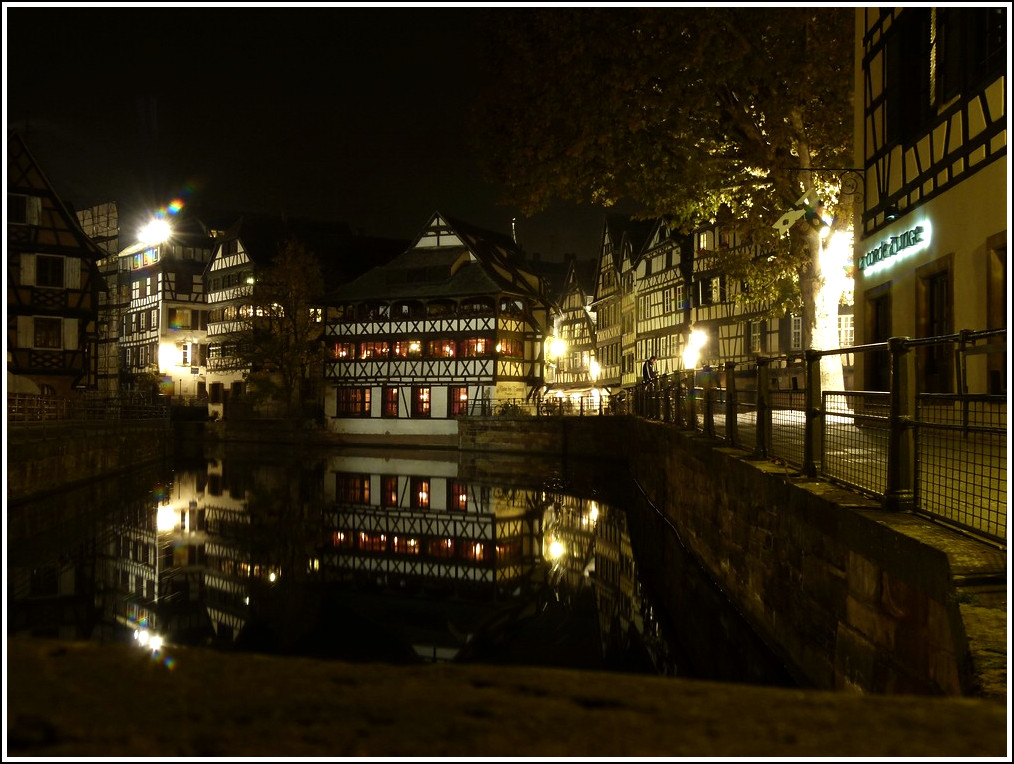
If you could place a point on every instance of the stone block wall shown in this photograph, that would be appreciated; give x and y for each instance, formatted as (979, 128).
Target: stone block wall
(46, 456)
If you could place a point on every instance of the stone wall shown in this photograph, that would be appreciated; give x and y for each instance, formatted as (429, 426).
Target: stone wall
(48, 455)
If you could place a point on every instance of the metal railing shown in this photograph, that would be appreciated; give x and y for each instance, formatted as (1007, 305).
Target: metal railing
(27, 409)
(944, 455)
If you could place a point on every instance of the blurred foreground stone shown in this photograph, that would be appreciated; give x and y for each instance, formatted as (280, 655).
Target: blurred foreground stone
(113, 700)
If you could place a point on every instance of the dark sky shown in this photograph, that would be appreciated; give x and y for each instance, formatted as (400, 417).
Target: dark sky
(332, 112)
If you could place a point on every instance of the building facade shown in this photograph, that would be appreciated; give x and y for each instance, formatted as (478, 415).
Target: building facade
(164, 323)
(931, 137)
(451, 326)
(53, 285)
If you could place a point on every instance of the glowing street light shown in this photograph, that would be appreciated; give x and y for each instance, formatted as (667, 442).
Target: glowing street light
(155, 232)
(692, 352)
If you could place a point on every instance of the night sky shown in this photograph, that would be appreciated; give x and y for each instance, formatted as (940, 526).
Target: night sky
(322, 111)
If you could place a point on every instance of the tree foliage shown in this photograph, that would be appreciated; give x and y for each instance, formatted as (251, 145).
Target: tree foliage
(282, 343)
(697, 115)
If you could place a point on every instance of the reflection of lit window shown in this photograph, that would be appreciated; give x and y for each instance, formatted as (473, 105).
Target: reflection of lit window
(373, 542)
(402, 545)
(389, 491)
(457, 495)
(440, 547)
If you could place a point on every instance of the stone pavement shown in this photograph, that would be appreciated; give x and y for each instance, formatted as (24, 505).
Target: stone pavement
(85, 699)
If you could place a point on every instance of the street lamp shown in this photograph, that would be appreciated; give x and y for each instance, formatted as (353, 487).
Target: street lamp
(692, 351)
(155, 232)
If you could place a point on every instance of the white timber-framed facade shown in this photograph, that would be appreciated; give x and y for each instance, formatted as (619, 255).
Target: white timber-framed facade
(931, 137)
(452, 327)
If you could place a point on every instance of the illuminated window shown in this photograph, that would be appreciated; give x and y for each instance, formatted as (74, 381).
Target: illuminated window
(344, 351)
(353, 402)
(420, 493)
(457, 401)
(374, 350)
(420, 401)
(444, 348)
(390, 403)
(511, 347)
(352, 489)
(476, 347)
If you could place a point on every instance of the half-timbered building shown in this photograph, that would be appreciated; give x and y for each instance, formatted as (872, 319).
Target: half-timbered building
(663, 304)
(931, 137)
(615, 303)
(53, 285)
(164, 326)
(452, 326)
(241, 256)
(571, 355)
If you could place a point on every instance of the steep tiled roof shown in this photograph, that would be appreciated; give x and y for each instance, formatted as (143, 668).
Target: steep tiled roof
(484, 263)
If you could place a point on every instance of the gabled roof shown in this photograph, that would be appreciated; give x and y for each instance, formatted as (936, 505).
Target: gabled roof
(581, 275)
(449, 258)
(25, 176)
(627, 234)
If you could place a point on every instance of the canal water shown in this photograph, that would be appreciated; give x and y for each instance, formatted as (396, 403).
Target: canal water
(373, 555)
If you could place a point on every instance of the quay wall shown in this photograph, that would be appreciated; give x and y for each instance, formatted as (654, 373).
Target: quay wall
(46, 456)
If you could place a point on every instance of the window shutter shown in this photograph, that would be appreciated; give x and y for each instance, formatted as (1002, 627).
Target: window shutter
(28, 269)
(26, 331)
(70, 334)
(72, 272)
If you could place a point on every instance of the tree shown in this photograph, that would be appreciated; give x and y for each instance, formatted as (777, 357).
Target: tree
(282, 342)
(691, 113)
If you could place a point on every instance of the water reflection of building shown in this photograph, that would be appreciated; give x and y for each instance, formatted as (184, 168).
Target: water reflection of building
(589, 550)
(153, 572)
(414, 519)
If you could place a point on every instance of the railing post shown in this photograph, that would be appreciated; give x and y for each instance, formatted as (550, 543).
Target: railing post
(709, 407)
(731, 409)
(814, 415)
(900, 491)
(692, 399)
(763, 433)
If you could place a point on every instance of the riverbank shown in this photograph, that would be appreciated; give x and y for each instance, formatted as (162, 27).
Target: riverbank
(199, 703)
